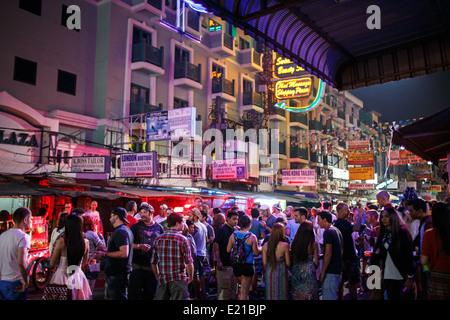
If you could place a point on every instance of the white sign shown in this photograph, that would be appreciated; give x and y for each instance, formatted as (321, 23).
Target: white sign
(229, 169)
(340, 174)
(91, 164)
(361, 186)
(171, 124)
(404, 184)
(299, 177)
(138, 165)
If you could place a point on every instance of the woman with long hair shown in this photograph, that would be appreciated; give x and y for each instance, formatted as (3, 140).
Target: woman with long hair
(276, 260)
(395, 249)
(71, 251)
(436, 253)
(305, 259)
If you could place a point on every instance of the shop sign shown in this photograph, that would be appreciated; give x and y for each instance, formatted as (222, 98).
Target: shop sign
(229, 169)
(435, 188)
(361, 186)
(359, 145)
(405, 184)
(293, 88)
(91, 164)
(18, 139)
(360, 158)
(340, 174)
(134, 165)
(360, 173)
(299, 177)
(402, 157)
(285, 67)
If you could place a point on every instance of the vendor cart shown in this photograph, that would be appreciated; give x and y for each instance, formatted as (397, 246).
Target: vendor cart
(39, 254)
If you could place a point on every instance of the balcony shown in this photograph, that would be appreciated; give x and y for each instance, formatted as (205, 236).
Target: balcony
(252, 101)
(298, 120)
(281, 153)
(147, 59)
(315, 125)
(141, 107)
(250, 60)
(298, 154)
(316, 157)
(223, 88)
(221, 43)
(152, 8)
(188, 75)
(278, 115)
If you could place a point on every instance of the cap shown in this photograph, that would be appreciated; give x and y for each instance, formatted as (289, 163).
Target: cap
(121, 213)
(146, 206)
(264, 207)
(277, 205)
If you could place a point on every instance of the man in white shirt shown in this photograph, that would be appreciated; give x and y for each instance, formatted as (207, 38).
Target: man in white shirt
(14, 246)
(200, 238)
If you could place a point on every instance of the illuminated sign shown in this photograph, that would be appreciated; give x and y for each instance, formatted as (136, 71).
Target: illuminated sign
(293, 88)
(91, 164)
(285, 67)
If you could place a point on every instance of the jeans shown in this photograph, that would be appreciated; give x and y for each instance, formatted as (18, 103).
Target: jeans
(7, 290)
(173, 290)
(330, 286)
(116, 287)
(142, 284)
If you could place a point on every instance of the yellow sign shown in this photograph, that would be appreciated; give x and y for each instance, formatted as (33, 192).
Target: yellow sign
(355, 158)
(360, 173)
(293, 88)
(285, 67)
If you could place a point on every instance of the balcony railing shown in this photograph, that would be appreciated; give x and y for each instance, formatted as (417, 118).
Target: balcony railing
(141, 107)
(185, 69)
(228, 41)
(299, 117)
(252, 98)
(224, 85)
(315, 125)
(147, 53)
(297, 152)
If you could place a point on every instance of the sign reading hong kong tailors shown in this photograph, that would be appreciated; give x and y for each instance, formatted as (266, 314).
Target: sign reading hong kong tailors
(299, 177)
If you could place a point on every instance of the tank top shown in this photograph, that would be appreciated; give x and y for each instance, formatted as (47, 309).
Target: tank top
(247, 247)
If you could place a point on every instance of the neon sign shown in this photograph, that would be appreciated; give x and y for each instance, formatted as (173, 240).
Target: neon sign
(293, 88)
(312, 103)
(285, 67)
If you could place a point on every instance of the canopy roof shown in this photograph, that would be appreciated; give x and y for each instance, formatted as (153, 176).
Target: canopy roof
(331, 39)
(429, 138)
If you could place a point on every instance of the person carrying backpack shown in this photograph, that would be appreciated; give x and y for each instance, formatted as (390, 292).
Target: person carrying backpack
(243, 246)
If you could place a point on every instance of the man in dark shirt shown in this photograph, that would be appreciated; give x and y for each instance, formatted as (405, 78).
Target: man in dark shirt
(118, 257)
(226, 281)
(330, 276)
(350, 260)
(142, 279)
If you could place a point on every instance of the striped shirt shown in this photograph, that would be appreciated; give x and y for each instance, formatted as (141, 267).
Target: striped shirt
(171, 253)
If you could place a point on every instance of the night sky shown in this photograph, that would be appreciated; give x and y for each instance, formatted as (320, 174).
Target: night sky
(407, 99)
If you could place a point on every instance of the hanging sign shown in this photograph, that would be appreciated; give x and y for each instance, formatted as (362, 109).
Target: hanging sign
(133, 165)
(299, 177)
(91, 164)
(360, 173)
(229, 169)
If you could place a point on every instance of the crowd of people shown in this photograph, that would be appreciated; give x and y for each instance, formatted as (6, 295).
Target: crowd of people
(300, 253)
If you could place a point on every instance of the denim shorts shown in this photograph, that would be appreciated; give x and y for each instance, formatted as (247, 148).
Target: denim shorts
(7, 290)
(330, 286)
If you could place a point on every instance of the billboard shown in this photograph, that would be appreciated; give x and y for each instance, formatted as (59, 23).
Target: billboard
(171, 124)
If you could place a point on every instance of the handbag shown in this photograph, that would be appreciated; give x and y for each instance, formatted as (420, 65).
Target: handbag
(56, 292)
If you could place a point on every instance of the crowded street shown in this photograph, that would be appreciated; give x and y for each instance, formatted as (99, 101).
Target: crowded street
(235, 156)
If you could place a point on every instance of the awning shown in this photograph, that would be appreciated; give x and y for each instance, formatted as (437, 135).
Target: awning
(12, 187)
(429, 138)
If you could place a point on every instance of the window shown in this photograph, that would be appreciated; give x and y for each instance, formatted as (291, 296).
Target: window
(67, 82)
(33, 6)
(179, 103)
(243, 44)
(141, 36)
(193, 20)
(25, 70)
(181, 54)
(139, 94)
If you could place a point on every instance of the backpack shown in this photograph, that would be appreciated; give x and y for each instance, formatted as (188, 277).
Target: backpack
(238, 254)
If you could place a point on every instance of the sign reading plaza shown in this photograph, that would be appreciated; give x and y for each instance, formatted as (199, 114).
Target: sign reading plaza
(299, 177)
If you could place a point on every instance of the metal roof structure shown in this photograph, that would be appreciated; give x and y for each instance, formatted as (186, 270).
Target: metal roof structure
(332, 38)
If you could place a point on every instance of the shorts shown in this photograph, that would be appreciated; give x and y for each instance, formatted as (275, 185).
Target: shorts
(243, 269)
(351, 271)
(202, 267)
